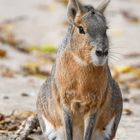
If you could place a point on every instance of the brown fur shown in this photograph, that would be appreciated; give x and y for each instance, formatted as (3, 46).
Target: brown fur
(81, 87)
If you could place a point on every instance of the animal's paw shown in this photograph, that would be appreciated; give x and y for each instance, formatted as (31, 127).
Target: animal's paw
(52, 137)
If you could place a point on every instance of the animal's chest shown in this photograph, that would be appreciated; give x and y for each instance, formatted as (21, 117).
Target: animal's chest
(81, 95)
(79, 87)
(79, 90)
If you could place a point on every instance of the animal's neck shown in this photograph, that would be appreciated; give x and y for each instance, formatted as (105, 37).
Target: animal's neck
(80, 81)
(69, 57)
(72, 67)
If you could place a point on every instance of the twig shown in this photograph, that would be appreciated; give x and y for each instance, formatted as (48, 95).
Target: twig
(26, 128)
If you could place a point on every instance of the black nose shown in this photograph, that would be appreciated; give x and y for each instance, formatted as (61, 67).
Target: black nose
(100, 52)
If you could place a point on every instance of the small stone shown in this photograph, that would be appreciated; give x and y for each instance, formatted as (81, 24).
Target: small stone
(24, 95)
(126, 100)
(5, 97)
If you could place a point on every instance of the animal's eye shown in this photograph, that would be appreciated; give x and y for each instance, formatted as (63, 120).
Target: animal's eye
(81, 30)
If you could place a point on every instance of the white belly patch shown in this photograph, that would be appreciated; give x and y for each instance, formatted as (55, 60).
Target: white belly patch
(108, 129)
(101, 135)
(51, 132)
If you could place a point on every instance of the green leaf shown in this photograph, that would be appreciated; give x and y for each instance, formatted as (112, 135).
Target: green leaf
(47, 48)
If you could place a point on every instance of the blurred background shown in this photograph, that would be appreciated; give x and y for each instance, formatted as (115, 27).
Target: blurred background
(30, 33)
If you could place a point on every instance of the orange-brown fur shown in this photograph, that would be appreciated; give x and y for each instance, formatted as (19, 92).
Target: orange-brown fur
(84, 89)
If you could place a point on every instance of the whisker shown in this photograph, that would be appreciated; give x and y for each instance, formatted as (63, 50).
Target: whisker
(112, 58)
(111, 51)
(112, 61)
(114, 49)
(112, 55)
(117, 53)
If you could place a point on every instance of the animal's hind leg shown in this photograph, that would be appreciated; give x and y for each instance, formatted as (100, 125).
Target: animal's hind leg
(99, 135)
(60, 134)
(105, 134)
(48, 130)
(51, 133)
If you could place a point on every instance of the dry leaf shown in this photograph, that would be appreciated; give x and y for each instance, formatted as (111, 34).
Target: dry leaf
(3, 53)
(12, 122)
(127, 112)
(130, 17)
(25, 115)
(6, 72)
(123, 69)
(10, 39)
(132, 55)
(63, 1)
(136, 72)
(136, 99)
(1, 117)
(46, 48)
(134, 84)
(35, 68)
(31, 67)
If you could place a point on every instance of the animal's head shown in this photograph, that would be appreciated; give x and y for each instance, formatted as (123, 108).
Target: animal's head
(89, 31)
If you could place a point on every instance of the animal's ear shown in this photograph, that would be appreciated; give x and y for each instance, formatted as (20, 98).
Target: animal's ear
(103, 5)
(74, 9)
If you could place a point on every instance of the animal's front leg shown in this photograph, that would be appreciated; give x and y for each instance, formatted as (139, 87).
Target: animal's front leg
(89, 125)
(68, 123)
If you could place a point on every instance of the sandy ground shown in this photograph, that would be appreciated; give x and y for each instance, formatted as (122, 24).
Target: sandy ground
(42, 21)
